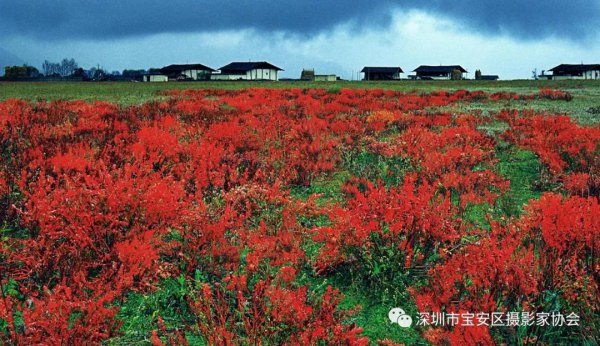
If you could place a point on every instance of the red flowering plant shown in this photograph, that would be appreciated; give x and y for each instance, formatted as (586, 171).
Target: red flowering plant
(456, 157)
(565, 232)
(408, 226)
(546, 253)
(271, 312)
(568, 151)
(101, 203)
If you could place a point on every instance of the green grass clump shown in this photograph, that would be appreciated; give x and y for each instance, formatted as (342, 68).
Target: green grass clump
(522, 168)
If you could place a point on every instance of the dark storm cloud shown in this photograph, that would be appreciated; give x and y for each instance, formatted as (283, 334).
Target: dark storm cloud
(574, 19)
(7, 58)
(101, 19)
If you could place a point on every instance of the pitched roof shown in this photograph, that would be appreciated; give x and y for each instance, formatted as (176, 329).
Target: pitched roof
(378, 69)
(566, 68)
(175, 68)
(247, 66)
(439, 69)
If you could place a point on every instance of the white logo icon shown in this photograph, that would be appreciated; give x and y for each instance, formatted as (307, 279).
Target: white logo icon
(397, 315)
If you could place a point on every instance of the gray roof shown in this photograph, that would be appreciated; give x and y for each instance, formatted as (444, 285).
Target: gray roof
(378, 69)
(247, 66)
(439, 69)
(184, 67)
(575, 68)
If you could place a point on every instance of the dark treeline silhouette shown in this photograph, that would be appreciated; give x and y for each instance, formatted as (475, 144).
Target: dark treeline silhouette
(68, 69)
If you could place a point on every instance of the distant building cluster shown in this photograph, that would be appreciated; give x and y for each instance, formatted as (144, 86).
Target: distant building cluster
(263, 70)
(266, 71)
(68, 69)
(260, 70)
(423, 72)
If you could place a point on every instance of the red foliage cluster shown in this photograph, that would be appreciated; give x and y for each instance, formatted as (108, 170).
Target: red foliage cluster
(449, 152)
(507, 96)
(99, 201)
(551, 248)
(94, 193)
(571, 153)
(269, 313)
(548, 250)
(544, 93)
(554, 94)
(414, 219)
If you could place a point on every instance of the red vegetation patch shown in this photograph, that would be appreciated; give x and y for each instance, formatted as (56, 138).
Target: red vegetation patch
(99, 201)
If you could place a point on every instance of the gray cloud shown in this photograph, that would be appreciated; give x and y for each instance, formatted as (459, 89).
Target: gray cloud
(8, 59)
(99, 19)
(576, 19)
(105, 20)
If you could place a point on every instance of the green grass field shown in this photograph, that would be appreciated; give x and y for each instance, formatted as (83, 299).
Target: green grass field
(586, 93)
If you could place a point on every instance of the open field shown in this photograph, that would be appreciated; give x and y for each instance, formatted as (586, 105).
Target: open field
(134, 93)
(299, 213)
(586, 93)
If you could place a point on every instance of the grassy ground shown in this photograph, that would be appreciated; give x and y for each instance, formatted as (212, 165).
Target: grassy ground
(586, 93)
(131, 93)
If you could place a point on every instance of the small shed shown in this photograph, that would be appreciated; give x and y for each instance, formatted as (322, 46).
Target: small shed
(155, 77)
(325, 78)
(309, 75)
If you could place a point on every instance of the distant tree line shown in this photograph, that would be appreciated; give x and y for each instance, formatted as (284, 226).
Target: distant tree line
(69, 69)
(21, 72)
(65, 68)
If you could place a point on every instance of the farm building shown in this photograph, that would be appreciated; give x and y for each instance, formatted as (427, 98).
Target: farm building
(187, 72)
(309, 75)
(580, 71)
(381, 73)
(261, 70)
(438, 72)
(155, 77)
(325, 78)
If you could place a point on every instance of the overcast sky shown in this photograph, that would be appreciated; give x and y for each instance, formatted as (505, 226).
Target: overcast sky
(508, 38)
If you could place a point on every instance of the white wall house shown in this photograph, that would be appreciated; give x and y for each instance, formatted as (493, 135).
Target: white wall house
(187, 72)
(579, 71)
(261, 70)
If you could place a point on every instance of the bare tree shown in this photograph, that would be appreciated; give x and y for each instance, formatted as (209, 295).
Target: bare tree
(50, 68)
(67, 67)
(46, 68)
